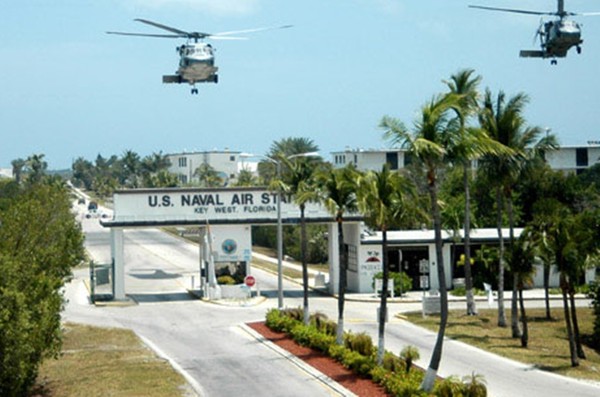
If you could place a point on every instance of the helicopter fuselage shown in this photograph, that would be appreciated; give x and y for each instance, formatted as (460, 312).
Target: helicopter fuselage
(559, 36)
(197, 63)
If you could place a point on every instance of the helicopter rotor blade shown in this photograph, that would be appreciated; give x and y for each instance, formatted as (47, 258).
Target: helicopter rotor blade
(249, 31)
(164, 27)
(585, 14)
(512, 10)
(165, 36)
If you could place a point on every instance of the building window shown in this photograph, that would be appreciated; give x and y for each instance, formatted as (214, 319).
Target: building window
(183, 161)
(231, 158)
(392, 160)
(581, 157)
(183, 179)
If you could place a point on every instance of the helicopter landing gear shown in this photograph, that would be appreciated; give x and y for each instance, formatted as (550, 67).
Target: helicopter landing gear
(194, 91)
(553, 62)
(578, 49)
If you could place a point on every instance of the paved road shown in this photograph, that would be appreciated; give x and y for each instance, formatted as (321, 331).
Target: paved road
(206, 341)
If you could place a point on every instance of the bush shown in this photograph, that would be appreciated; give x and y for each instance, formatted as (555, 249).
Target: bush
(360, 343)
(409, 354)
(594, 295)
(402, 282)
(278, 321)
(393, 363)
(226, 280)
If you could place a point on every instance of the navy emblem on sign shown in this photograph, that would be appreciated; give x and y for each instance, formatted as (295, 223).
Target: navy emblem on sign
(229, 246)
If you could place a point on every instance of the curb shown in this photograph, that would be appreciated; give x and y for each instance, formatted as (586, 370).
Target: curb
(319, 376)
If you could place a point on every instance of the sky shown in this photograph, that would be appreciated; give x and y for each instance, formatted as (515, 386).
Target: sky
(69, 90)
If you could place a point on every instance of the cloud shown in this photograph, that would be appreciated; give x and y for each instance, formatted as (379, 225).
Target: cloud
(218, 7)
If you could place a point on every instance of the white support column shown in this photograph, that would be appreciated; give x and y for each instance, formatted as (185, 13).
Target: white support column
(117, 251)
(334, 258)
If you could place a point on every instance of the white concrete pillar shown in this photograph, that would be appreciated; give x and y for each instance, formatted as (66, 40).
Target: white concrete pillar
(117, 253)
(334, 258)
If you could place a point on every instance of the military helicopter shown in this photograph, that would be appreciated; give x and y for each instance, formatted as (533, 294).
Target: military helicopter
(556, 36)
(196, 58)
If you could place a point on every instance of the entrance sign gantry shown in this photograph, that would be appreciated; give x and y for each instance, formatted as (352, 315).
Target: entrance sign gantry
(200, 207)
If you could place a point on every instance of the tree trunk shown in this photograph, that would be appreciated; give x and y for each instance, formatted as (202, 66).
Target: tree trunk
(303, 243)
(471, 309)
(571, 337)
(525, 333)
(383, 303)
(436, 356)
(547, 290)
(514, 309)
(343, 263)
(576, 335)
(501, 314)
(514, 313)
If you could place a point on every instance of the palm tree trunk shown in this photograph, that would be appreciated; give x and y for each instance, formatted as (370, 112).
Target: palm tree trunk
(383, 304)
(514, 312)
(304, 264)
(525, 334)
(572, 347)
(343, 263)
(576, 335)
(501, 314)
(471, 309)
(547, 290)
(436, 356)
(514, 309)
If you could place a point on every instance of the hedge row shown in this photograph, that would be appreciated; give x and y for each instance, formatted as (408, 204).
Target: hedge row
(358, 354)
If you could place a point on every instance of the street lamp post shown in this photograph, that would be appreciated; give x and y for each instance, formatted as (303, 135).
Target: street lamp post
(279, 243)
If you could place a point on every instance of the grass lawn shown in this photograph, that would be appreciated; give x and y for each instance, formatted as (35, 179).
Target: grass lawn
(548, 344)
(108, 362)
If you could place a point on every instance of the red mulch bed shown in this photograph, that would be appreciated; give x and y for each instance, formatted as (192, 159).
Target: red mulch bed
(323, 363)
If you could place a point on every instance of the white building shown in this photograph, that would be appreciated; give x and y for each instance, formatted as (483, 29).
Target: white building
(572, 159)
(225, 162)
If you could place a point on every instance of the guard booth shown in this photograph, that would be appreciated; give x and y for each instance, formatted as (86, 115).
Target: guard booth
(212, 208)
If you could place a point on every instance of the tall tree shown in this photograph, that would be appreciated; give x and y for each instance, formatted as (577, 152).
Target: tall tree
(208, 176)
(131, 168)
(337, 190)
(504, 122)
(470, 145)
(386, 200)
(40, 242)
(17, 169)
(429, 144)
(298, 181)
(36, 168)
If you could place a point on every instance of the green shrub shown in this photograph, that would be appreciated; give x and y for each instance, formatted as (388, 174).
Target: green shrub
(402, 282)
(398, 384)
(474, 386)
(360, 343)
(393, 363)
(279, 321)
(409, 354)
(359, 364)
(594, 295)
(225, 280)
(323, 323)
(449, 387)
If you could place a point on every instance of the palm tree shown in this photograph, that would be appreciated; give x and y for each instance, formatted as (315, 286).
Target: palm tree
(470, 145)
(504, 122)
(131, 168)
(208, 176)
(337, 189)
(36, 168)
(429, 143)
(386, 200)
(298, 181)
(17, 169)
